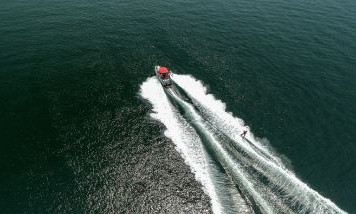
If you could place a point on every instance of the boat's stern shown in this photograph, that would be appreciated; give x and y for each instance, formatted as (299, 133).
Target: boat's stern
(167, 82)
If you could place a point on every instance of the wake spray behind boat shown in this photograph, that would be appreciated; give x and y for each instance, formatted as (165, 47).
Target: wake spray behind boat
(164, 76)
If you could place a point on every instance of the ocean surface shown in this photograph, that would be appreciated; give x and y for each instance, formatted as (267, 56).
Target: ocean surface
(85, 127)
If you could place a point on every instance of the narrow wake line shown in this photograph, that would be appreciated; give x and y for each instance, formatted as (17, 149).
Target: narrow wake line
(262, 152)
(297, 196)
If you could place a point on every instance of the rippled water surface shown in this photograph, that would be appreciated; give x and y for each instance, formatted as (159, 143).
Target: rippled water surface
(81, 122)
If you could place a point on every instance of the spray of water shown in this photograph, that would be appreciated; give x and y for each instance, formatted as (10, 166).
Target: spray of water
(282, 183)
(224, 197)
(257, 171)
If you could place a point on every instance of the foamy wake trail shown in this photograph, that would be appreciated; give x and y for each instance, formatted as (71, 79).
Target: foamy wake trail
(189, 145)
(263, 175)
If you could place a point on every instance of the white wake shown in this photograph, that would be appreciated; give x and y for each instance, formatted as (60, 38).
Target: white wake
(295, 194)
(189, 145)
(258, 172)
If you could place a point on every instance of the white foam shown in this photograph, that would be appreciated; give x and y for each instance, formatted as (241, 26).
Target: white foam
(227, 160)
(216, 109)
(184, 137)
(270, 166)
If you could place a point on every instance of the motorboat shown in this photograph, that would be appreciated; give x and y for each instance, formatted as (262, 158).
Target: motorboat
(164, 75)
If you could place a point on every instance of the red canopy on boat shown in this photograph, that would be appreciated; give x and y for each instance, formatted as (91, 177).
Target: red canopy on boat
(163, 70)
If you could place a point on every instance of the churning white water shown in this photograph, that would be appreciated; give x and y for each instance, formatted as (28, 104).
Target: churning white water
(224, 198)
(256, 170)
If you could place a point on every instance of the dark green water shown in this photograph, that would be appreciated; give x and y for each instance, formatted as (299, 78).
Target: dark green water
(75, 136)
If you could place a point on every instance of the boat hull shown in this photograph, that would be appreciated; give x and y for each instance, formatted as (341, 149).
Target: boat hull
(166, 82)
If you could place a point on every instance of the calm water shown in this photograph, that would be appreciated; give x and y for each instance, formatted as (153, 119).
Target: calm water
(76, 135)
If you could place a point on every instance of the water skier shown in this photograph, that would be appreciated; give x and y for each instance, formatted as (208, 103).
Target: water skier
(244, 134)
